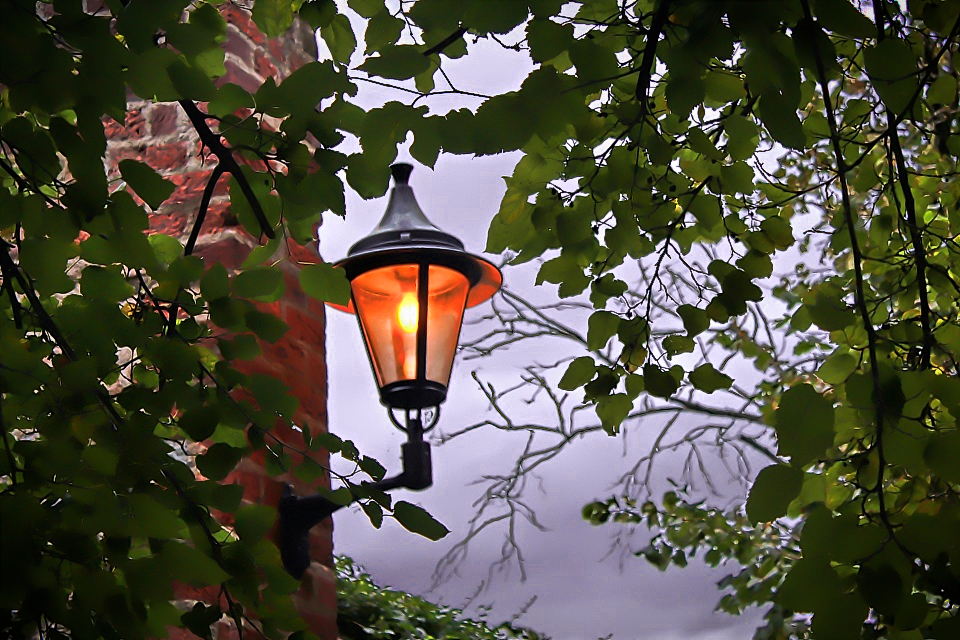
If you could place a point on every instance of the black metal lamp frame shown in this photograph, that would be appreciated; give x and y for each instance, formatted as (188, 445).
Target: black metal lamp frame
(297, 515)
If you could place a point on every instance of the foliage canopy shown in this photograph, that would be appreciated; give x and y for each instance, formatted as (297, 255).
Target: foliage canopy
(676, 154)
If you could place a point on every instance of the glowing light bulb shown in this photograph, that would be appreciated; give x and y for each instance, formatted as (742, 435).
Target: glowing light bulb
(408, 313)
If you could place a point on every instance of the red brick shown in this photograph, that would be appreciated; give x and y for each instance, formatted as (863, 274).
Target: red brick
(252, 484)
(297, 59)
(163, 119)
(190, 186)
(241, 76)
(305, 253)
(317, 591)
(229, 251)
(321, 543)
(171, 224)
(219, 217)
(303, 326)
(275, 47)
(163, 158)
(134, 126)
(264, 67)
(239, 45)
(241, 19)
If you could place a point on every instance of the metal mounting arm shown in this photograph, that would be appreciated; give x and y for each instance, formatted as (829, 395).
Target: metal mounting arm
(297, 515)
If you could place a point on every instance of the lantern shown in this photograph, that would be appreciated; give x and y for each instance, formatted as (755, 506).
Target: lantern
(410, 283)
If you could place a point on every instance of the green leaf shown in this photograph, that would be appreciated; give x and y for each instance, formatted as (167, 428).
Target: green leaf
(601, 326)
(192, 566)
(253, 521)
(340, 38)
(263, 284)
(695, 321)
(844, 18)
(578, 373)
(242, 347)
(676, 344)
(267, 326)
(229, 98)
(367, 8)
(837, 368)
(200, 617)
(804, 425)
(548, 39)
(105, 283)
(658, 382)
(148, 184)
(166, 248)
(810, 584)
(781, 120)
(827, 308)
(943, 455)
(325, 282)
(148, 77)
(374, 513)
(772, 492)
(417, 520)
(683, 93)
(372, 468)
(892, 66)
(707, 379)
(199, 423)
(723, 87)
(148, 518)
(397, 63)
(218, 461)
(215, 283)
(742, 137)
(273, 17)
(612, 410)
(942, 91)
(382, 31)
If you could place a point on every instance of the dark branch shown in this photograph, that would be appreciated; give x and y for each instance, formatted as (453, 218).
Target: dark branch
(650, 52)
(228, 163)
(446, 42)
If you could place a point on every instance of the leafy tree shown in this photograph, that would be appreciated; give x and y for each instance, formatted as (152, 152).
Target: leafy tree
(367, 611)
(676, 154)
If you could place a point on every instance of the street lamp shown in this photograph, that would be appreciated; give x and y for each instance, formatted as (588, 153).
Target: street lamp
(410, 283)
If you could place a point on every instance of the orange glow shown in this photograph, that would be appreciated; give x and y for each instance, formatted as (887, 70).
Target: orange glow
(388, 303)
(408, 313)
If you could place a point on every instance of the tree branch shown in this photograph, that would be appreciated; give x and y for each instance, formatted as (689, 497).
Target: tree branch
(227, 162)
(650, 53)
(446, 42)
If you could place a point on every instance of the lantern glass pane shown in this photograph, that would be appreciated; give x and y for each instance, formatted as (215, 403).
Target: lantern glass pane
(386, 303)
(447, 300)
(387, 306)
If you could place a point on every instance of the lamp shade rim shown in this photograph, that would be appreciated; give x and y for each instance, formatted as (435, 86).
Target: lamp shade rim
(485, 278)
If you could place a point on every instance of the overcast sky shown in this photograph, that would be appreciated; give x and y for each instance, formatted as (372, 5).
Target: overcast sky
(581, 589)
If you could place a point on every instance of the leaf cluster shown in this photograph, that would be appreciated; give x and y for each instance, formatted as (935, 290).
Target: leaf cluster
(367, 611)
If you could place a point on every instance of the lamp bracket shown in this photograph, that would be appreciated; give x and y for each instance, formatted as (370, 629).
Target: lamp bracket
(297, 515)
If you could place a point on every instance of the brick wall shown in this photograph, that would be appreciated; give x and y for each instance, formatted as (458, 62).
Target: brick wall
(160, 135)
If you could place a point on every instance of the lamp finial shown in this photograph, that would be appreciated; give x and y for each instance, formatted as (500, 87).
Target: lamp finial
(401, 172)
